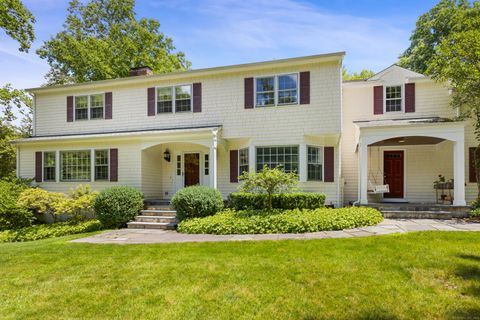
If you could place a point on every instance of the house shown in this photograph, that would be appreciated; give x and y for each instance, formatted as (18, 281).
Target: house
(160, 133)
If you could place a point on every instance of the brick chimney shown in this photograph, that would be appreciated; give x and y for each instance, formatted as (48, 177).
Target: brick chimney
(141, 71)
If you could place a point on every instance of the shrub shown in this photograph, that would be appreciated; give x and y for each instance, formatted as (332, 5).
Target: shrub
(282, 221)
(41, 201)
(269, 181)
(44, 231)
(80, 203)
(115, 206)
(13, 216)
(197, 201)
(257, 201)
(475, 212)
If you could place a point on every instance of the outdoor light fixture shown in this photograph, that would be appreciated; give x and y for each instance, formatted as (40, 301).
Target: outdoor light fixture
(166, 155)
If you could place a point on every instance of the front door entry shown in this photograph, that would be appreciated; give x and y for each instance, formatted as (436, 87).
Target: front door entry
(393, 173)
(192, 169)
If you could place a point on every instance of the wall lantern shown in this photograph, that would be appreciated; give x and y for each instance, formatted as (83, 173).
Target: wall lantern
(166, 155)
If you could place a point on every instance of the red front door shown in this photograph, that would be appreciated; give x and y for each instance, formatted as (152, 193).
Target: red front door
(192, 169)
(393, 173)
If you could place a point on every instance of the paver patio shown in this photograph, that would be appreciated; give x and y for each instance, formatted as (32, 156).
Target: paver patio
(388, 226)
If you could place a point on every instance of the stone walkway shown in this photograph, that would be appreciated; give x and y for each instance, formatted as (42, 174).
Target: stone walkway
(388, 226)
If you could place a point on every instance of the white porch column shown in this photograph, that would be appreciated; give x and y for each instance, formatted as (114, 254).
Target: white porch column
(459, 173)
(251, 158)
(302, 174)
(213, 160)
(363, 171)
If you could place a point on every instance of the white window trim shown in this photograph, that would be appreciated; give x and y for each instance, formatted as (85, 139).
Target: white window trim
(60, 165)
(238, 161)
(402, 105)
(174, 99)
(323, 162)
(275, 90)
(108, 164)
(88, 106)
(43, 165)
(276, 146)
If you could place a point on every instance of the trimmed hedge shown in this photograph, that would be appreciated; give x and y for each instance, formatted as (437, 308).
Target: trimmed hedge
(282, 221)
(259, 201)
(115, 206)
(197, 201)
(44, 231)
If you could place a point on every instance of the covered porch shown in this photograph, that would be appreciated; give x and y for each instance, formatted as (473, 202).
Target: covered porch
(409, 156)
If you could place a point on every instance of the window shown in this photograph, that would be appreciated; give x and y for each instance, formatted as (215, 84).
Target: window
(96, 106)
(49, 166)
(179, 165)
(101, 164)
(81, 108)
(287, 89)
(265, 91)
(75, 165)
(207, 164)
(181, 102)
(315, 163)
(93, 102)
(164, 100)
(286, 156)
(393, 99)
(277, 90)
(242, 161)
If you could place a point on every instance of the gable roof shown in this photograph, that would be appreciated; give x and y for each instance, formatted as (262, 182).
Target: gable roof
(396, 68)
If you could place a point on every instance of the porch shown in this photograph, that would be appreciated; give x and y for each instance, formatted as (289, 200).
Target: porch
(409, 156)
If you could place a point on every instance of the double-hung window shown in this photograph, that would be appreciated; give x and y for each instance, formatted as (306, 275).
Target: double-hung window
(393, 99)
(49, 166)
(315, 163)
(101, 164)
(242, 161)
(75, 165)
(285, 156)
(174, 99)
(89, 107)
(276, 90)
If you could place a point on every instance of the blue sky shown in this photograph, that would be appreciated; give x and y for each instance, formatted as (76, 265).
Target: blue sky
(215, 32)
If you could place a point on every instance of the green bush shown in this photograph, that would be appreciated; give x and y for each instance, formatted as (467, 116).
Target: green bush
(44, 231)
(115, 206)
(40, 201)
(80, 204)
(197, 201)
(475, 212)
(258, 201)
(13, 216)
(282, 221)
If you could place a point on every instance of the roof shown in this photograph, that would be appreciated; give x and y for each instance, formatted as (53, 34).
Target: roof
(115, 134)
(335, 56)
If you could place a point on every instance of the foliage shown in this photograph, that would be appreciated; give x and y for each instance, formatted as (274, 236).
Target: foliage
(13, 216)
(14, 99)
(257, 201)
(80, 203)
(7, 150)
(475, 212)
(434, 28)
(282, 221)
(115, 206)
(197, 201)
(102, 39)
(17, 21)
(362, 75)
(269, 181)
(44, 231)
(41, 201)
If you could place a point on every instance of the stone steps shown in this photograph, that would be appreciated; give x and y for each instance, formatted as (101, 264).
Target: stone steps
(158, 214)
(418, 214)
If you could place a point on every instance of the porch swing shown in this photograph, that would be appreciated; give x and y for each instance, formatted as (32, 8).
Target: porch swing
(376, 188)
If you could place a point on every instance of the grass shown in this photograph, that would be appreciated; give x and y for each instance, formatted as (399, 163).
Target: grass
(430, 275)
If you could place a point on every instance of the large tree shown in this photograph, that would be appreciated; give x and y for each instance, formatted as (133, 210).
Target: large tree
(17, 21)
(362, 75)
(433, 27)
(102, 39)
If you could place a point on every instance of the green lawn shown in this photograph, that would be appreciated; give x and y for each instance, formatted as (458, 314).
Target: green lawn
(414, 276)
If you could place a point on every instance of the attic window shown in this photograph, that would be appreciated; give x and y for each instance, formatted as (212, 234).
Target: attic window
(393, 99)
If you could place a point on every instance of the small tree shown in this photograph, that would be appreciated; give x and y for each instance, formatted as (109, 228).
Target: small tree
(269, 181)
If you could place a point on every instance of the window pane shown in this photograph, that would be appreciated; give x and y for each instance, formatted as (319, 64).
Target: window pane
(315, 163)
(101, 165)
(164, 100)
(287, 82)
(81, 108)
(207, 165)
(242, 161)
(75, 165)
(393, 99)
(96, 113)
(274, 156)
(96, 101)
(265, 84)
(265, 91)
(49, 166)
(183, 98)
(265, 99)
